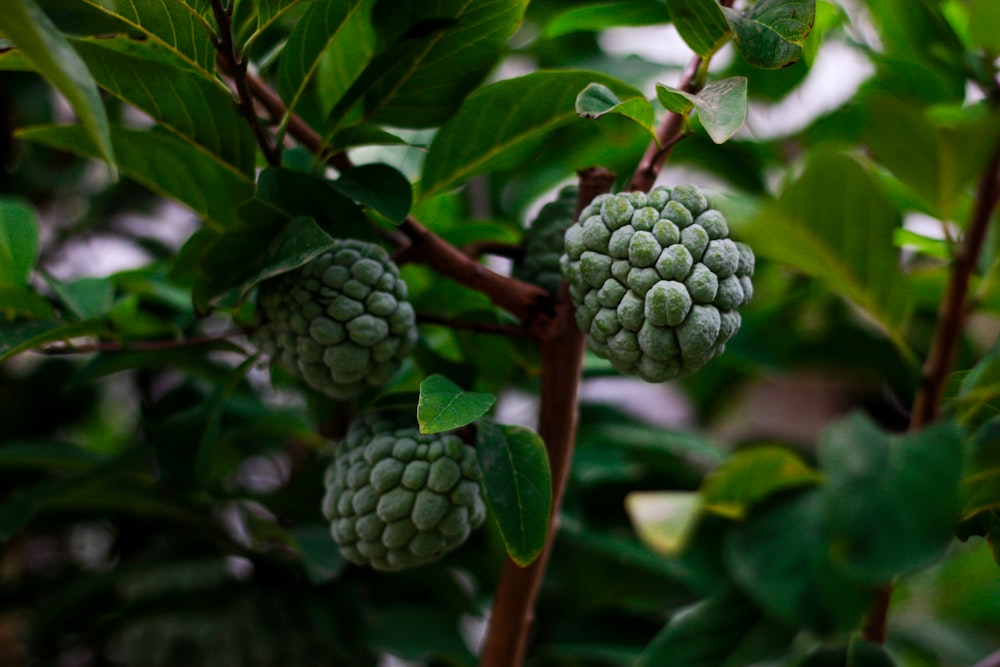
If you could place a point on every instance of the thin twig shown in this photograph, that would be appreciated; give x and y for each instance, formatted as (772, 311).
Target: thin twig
(237, 68)
(529, 303)
(142, 345)
(562, 365)
(297, 128)
(478, 327)
(927, 403)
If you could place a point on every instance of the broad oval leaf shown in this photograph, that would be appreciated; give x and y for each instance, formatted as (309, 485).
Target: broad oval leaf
(533, 105)
(674, 100)
(518, 486)
(751, 475)
(836, 224)
(664, 520)
(185, 101)
(444, 406)
(29, 29)
(597, 17)
(425, 89)
(19, 301)
(185, 32)
(780, 556)
(722, 107)
(378, 186)
(890, 502)
(163, 163)
(247, 255)
(724, 629)
(597, 100)
(770, 35)
(700, 23)
(339, 30)
(18, 240)
(85, 297)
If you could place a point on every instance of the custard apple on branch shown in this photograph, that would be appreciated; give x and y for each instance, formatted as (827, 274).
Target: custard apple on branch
(341, 322)
(397, 498)
(656, 281)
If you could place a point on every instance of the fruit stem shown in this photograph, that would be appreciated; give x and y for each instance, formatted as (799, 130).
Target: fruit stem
(562, 368)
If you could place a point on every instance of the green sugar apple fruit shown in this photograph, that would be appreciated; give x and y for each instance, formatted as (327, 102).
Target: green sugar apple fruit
(397, 498)
(656, 281)
(543, 242)
(341, 322)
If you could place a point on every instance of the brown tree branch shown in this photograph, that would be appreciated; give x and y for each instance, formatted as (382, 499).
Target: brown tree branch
(478, 327)
(529, 303)
(142, 345)
(670, 132)
(562, 366)
(927, 403)
(479, 248)
(237, 69)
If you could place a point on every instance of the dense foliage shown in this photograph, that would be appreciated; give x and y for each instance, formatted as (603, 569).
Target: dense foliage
(824, 492)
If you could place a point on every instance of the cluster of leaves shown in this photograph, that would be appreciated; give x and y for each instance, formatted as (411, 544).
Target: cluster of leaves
(158, 486)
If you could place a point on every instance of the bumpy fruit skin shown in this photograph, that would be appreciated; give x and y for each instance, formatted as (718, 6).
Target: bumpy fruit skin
(341, 322)
(397, 498)
(656, 281)
(543, 242)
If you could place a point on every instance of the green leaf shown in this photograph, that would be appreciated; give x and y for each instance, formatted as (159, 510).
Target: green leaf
(29, 454)
(598, 17)
(891, 502)
(18, 240)
(175, 25)
(836, 225)
(984, 16)
(674, 100)
(701, 24)
(416, 632)
(30, 30)
(532, 106)
(364, 135)
(185, 101)
(319, 553)
(17, 337)
(751, 475)
(86, 297)
(162, 162)
(336, 29)
(978, 399)
(770, 35)
(857, 653)
(518, 486)
(724, 630)
(722, 105)
(246, 256)
(444, 406)
(596, 100)
(210, 463)
(664, 520)
(19, 301)
(981, 479)
(283, 194)
(780, 557)
(380, 187)
(260, 14)
(425, 89)
(956, 144)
